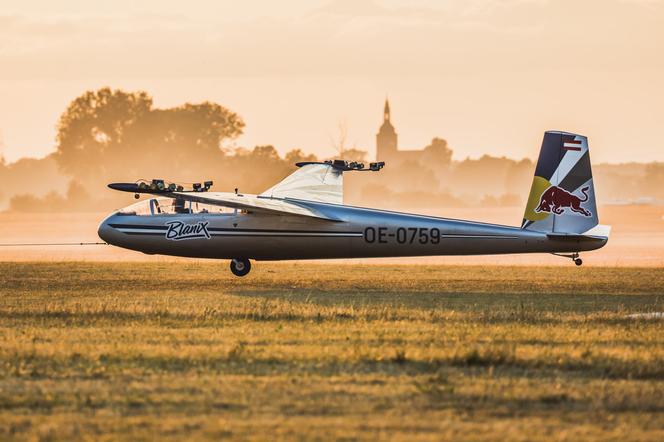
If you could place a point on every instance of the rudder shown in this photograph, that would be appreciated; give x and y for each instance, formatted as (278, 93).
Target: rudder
(562, 196)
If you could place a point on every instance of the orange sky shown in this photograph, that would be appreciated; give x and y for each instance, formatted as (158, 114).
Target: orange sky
(488, 75)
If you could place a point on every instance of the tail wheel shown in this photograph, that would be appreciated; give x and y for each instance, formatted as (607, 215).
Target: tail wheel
(575, 257)
(240, 266)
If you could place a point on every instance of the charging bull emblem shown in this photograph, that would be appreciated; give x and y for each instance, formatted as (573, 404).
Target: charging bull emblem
(556, 200)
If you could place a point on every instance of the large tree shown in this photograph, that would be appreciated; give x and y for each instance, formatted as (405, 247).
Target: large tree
(113, 134)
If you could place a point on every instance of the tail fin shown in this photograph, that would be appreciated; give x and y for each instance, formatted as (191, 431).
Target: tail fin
(562, 197)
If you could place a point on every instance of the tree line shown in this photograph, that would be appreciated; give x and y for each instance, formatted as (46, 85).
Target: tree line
(111, 135)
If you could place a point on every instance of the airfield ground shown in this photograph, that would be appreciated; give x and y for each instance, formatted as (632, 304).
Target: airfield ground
(185, 350)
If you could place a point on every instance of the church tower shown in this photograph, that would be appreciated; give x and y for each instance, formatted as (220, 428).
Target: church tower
(386, 139)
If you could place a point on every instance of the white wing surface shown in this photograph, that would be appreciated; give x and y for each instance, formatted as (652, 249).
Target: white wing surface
(251, 203)
(312, 182)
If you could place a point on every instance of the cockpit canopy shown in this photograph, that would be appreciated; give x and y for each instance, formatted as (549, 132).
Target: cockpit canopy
(173, 206)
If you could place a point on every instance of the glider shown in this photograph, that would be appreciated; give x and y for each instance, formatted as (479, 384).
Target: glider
(303, 217)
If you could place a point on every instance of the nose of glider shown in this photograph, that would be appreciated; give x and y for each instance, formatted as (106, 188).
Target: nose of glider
(105, 231)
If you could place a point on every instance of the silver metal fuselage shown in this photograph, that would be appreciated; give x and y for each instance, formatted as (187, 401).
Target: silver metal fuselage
(360, 233)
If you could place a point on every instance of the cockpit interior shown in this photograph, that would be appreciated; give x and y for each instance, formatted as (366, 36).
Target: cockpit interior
(174, 206)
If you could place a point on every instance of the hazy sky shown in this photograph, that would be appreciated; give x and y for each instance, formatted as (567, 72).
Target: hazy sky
(488, 75)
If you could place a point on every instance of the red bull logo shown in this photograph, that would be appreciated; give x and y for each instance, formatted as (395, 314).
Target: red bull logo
(556, 200)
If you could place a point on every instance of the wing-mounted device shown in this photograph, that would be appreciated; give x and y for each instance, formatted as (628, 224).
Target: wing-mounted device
(157, 187)
(313, 182)
(347, 166)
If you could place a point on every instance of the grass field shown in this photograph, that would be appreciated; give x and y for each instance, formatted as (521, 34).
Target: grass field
(298, 351)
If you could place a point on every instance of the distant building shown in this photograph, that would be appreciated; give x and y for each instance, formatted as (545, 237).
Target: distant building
(386, 138)
(387, 147)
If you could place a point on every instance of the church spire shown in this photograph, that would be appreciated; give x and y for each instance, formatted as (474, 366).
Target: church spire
(386, 138)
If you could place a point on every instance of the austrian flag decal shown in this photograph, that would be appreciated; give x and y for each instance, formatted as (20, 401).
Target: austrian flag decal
(570, 143)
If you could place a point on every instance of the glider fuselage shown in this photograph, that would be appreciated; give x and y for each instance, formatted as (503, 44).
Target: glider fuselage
(356, 233)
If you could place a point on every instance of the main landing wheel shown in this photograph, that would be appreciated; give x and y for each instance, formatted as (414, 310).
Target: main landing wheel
(240, 266)
(578, 261)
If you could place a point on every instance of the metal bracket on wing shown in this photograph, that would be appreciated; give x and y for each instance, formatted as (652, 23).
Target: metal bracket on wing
(346, 166)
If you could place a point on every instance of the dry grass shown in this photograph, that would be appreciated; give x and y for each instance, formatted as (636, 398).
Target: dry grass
(139, 351)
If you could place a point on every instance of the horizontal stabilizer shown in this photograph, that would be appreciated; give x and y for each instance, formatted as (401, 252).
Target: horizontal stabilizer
(600, 232)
